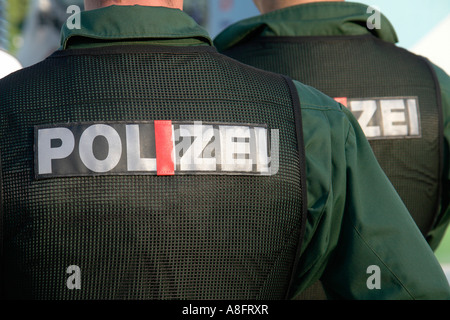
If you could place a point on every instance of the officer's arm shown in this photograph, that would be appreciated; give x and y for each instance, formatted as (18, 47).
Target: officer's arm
(381, 253)
(360, 239)
(441, 224)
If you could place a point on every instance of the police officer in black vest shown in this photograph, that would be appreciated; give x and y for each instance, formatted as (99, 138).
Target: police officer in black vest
(402, 101)
(139, 163)
(347, 50)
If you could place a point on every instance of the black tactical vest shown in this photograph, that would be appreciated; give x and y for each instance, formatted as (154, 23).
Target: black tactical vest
(393, 94)
(87, 216)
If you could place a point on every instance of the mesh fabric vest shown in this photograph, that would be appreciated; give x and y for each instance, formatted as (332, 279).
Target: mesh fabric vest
(145, 236)
(366, 67)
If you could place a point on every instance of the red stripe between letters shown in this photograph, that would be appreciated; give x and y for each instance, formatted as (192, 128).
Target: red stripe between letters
(164, 148)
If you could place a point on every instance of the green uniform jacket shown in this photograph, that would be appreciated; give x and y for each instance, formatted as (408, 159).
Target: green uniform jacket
(354, 213)
(342, 19)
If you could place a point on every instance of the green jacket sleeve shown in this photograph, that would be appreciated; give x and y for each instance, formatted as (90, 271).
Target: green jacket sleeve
(356, 219)
(441, 224)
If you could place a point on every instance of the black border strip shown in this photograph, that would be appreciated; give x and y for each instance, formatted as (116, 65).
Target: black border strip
(302, 162)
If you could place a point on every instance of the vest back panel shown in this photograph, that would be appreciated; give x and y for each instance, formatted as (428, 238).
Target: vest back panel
(144, 236)
(393, 94)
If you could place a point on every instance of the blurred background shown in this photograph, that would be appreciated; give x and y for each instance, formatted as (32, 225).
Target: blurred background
(30, 31)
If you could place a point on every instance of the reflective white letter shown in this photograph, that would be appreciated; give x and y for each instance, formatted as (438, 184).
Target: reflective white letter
(45, 151)
(135, 162)
(87, 152)
(235, 142)
(368, 108)
(390, 117)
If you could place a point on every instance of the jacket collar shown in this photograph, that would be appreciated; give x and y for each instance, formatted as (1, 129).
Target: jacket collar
(121, 24)
(311, 19)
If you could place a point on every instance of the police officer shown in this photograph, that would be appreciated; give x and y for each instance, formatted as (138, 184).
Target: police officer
(402, 101)
(137, 162)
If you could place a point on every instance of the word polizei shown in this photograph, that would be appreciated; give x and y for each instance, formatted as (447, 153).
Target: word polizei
(156, 147)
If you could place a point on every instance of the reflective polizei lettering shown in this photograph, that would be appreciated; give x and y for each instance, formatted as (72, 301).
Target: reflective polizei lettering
(386, 118)
(138, 148)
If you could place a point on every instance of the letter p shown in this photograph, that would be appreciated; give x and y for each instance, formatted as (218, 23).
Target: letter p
(47, 153)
